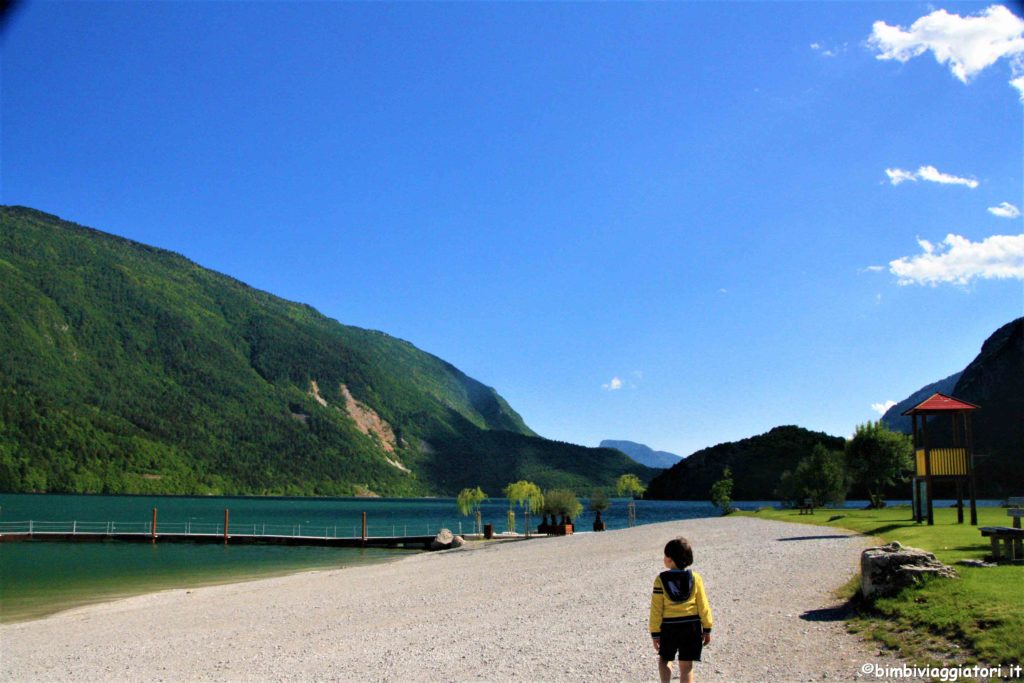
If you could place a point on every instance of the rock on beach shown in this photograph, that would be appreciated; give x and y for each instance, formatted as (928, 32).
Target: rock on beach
(550, 609)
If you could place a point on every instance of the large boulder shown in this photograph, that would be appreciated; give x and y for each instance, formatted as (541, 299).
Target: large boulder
(887, 569)
(445, 540)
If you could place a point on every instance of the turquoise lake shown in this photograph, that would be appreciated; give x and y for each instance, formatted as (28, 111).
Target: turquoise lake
(39, 578)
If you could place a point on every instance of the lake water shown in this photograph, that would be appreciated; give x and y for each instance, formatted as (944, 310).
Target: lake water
(39, 578)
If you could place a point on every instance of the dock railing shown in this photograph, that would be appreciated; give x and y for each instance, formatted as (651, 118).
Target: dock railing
(75, 527)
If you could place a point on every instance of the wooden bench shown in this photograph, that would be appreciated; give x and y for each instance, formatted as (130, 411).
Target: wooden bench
(1012, 538)
(806, 507)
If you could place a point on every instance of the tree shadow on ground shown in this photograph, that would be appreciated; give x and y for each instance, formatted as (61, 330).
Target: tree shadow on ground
(838, 613)
(886, 528)
(815, 538)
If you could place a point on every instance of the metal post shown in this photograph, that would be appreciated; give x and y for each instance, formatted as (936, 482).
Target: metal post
(152, 537)
(225, 526)
(972, 482)
(928, 491)
(959, 500)
(364, 526)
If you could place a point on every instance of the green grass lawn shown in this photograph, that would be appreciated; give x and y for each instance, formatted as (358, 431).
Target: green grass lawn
(978, 619)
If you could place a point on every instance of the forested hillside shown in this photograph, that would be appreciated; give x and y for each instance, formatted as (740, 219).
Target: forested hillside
(126, 368)
(756, 465)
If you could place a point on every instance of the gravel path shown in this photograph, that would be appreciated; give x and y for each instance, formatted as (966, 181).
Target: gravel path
(557, 609)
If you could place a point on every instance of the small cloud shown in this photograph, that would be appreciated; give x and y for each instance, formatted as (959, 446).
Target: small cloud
(637, 374)
(614, 385)
(969, 45)
(874, 269)
(930, 174)
(826, 51)
(957, 260)
(882, 408)
(1005, 210)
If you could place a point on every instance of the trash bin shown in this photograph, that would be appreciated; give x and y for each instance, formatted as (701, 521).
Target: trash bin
(488, 531)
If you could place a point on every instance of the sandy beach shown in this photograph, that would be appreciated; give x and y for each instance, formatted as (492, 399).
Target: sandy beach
(552, 609)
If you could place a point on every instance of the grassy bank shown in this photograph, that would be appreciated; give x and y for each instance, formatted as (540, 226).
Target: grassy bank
(977, 619)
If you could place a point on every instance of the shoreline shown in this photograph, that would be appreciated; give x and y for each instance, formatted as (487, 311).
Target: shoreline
(552, 609)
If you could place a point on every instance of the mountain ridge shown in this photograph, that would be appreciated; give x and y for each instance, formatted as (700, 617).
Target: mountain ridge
(129, 368)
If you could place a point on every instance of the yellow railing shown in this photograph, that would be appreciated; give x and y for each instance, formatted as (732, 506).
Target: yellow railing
(946, 462)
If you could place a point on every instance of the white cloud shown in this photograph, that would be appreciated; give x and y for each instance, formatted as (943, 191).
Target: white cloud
(1018, 83)
(932, 174)
(613, 385)
(958, 260)
(897, 176)
(967, 44)
(929, 173)
(882, 408)
(1005, 210)
(874, 269)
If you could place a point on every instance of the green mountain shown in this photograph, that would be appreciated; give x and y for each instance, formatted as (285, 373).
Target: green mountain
(756, 465)
(129, 369)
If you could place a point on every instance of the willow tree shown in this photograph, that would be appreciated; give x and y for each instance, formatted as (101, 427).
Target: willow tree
(526, 495)
(469, 502)
(629, 485)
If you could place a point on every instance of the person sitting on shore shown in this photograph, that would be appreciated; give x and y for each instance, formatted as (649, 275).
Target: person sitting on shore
(680, 614)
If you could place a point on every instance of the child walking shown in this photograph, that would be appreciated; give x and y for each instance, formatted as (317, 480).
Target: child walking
(680, 613)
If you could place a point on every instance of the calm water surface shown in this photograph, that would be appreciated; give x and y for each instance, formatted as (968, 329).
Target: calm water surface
(39, 578)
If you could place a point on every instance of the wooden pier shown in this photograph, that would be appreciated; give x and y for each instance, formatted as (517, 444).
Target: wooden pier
(245, 534)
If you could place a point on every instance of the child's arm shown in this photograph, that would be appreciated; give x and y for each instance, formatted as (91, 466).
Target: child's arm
(703, 607)
(657, 609)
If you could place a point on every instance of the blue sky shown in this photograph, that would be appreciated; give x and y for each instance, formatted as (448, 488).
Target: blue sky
(675, 223)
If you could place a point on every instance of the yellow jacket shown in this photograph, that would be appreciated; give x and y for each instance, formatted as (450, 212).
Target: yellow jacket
(679, 597)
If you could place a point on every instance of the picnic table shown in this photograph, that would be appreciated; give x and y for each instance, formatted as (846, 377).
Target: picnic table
(806, 507)
(1011, 539)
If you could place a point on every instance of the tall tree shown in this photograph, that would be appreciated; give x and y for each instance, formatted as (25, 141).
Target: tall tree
(721, 492)
(877, 457)
(821, 477)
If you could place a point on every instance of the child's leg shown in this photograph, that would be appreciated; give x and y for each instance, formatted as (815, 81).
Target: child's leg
(685, 671)
(664, 670)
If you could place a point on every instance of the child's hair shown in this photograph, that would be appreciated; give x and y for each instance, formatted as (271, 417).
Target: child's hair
(679, 551)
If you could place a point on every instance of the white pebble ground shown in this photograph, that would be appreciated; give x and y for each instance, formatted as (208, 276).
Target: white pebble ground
(553, 609)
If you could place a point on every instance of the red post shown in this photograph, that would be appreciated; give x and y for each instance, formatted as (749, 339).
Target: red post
(225, 526)
(364, 526)
(153, 528)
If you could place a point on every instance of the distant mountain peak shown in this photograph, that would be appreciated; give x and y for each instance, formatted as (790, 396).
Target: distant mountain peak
(642, 454)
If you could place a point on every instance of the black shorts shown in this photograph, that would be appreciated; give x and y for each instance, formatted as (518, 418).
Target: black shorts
(686, 640)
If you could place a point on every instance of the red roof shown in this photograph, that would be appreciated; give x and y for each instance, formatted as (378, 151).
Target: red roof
(938, 403)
